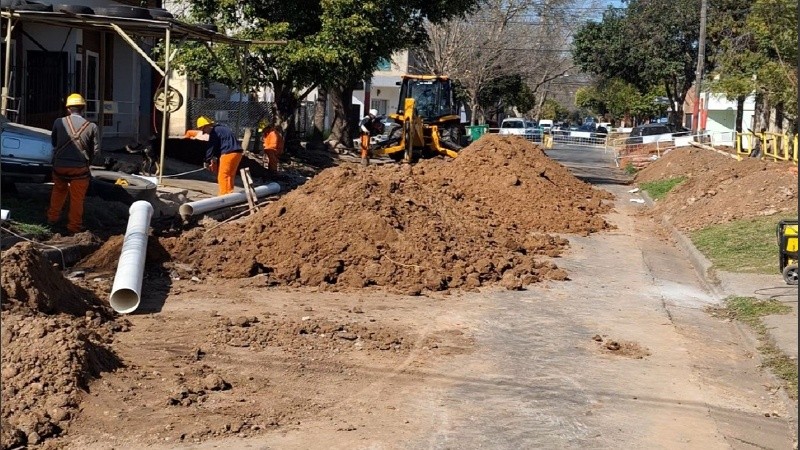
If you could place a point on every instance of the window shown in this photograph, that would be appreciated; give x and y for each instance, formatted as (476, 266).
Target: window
(381, 105)
(92, 84)
(384, 65)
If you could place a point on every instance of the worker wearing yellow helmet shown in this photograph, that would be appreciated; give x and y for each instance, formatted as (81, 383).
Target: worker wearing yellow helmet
(224, 153)
(75, 143)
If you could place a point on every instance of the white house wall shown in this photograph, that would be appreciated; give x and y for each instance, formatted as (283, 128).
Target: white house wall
(721, 118)
(126, 85)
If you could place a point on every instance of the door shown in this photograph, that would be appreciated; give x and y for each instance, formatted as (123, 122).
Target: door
(46, 87)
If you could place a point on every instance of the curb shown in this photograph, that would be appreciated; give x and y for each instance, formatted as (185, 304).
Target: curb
(705, 271)
(702, 266)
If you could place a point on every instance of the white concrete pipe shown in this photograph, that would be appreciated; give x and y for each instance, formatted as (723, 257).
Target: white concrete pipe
(210, 204)
(127, 289)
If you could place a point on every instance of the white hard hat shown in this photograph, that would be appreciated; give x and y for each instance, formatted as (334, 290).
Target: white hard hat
(373, 112)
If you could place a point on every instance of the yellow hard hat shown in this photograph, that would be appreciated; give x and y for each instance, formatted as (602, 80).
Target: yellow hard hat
(203, 121)
(76, 100)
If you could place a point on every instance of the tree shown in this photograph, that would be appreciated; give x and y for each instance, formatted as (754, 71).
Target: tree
(504, 38)
(330, 43)
(650, 43)
(553, 110)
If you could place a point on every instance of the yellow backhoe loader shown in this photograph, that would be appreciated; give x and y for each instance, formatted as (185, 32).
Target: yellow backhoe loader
(427, 123)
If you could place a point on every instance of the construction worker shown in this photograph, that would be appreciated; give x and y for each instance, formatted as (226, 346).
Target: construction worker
(273, 147)
(75, 143)
(223, 155)
(368, 128)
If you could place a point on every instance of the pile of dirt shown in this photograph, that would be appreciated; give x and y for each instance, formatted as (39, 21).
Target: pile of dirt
(55, 338)
(720, 189)
(437, 225)
(106, 258)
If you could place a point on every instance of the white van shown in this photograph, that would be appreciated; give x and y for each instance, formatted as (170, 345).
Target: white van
(546, 125)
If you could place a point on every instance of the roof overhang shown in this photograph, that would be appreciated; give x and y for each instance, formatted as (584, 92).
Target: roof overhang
(139, 27)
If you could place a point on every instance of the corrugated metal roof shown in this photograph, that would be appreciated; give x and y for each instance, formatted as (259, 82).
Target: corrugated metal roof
(138, 27)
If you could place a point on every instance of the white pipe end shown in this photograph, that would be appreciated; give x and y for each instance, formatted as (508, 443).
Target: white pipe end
(124, 300)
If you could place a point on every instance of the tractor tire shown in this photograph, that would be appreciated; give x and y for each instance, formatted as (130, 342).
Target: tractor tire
(451, 137)
(104, 185)
(127, 12)
(160, 13)
(74, 9)
(790, 274)
(22, 5)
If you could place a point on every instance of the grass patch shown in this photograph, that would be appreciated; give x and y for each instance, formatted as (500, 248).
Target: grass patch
(659, 189)
(630, 169)
(744, 246)
(750, 311)
(27, 218)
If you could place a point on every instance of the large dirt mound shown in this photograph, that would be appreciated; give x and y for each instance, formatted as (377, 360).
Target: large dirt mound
(720, 189)
(436, 225)
(516, 182)
(55, 337)
(31, 282)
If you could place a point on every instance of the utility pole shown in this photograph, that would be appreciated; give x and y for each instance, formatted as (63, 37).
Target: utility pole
(701, 59)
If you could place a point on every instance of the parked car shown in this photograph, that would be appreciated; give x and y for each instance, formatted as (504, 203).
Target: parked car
(651, 132)
(26, 153)
(520, 127)
(546, 125)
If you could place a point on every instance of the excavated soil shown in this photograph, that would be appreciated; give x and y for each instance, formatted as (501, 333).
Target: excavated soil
(55, 338)
(720, 189)
(463, 223)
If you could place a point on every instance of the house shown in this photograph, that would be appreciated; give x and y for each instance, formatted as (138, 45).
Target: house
(717, 116)
(384, 88)
(101, 49)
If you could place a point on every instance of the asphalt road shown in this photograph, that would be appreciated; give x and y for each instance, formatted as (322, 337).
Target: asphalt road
(539, 380)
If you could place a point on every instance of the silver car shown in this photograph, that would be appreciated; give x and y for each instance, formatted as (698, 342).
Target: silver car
(26, 153)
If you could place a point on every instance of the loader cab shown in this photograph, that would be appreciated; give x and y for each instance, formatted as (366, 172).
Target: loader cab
(432, 95)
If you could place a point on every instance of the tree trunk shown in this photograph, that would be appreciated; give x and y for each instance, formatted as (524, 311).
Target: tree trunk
(285, 108)
(473, 106)
(342, 102)
(320, 105)
(739, 112)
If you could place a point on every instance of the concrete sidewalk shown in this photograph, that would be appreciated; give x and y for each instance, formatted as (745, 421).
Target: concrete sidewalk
(782, 328)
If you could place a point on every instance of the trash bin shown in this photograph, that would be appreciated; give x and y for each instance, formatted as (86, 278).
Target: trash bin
(476, 131)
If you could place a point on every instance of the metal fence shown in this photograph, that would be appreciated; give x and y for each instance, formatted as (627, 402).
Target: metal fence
(236, 115)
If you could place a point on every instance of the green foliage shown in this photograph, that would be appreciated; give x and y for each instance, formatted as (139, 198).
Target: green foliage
(553, 110)
(507, 91)
(659, 189)
(747, 246)
(329, 41)
(619, 99)
(630, 169)
(649, 44)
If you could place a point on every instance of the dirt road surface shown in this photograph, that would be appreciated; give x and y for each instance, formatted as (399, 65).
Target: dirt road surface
(621, 355)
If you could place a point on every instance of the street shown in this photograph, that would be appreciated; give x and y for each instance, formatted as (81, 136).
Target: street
(529, 369)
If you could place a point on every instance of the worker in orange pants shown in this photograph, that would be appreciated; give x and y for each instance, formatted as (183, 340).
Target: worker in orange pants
(223, 155)
(75, 143)
(273, 147)
(72, 181)
(369, 126)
